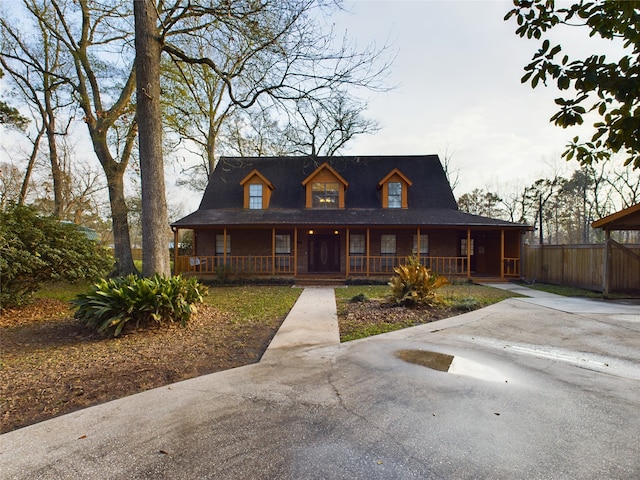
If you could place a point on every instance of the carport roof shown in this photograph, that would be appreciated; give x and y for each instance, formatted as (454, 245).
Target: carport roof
(627, 219)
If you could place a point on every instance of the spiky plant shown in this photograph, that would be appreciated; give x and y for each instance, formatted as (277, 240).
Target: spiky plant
(415, 284)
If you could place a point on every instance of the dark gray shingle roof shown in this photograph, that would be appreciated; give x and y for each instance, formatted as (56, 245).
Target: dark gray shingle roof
(431, 201)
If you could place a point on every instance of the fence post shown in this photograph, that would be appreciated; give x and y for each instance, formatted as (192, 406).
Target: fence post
(606, 265)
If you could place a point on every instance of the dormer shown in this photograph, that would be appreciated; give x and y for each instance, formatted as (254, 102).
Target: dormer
(325, 188)
(395, 186)
(257, 191)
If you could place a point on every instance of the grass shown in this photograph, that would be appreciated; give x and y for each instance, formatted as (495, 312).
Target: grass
(364, 311)
(248, 303)
(451, 295)
(62, 291)
(574, 291)
(251, 304)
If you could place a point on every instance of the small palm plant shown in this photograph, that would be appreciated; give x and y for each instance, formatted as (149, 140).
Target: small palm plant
(415, 284)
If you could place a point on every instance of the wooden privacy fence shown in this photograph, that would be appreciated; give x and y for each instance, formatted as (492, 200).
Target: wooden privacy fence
(584, 266)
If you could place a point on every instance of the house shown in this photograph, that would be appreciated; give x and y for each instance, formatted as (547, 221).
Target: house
(341, 218)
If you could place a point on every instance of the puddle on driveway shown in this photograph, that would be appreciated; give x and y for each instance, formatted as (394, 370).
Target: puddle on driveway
(448, 363)
(435, 360)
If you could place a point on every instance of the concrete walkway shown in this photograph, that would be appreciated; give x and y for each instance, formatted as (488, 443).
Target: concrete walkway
(561, 401)
(312, 322)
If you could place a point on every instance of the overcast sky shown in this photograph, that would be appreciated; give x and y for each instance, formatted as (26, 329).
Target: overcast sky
(458, 71)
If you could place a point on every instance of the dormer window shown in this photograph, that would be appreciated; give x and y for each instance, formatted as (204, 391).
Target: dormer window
(325, 188)
(395, 186)
(257, 191)
(255, 196)
(325, 195)
(394, 197)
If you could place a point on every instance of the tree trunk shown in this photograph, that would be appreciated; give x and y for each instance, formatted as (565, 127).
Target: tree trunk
(114, 172)
(56, 172)
(32, 161)
(155, 224)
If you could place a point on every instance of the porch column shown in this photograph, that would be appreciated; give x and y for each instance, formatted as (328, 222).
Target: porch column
(346, 255)
(368, 241)
(273, 251)
(295, 251)
(175, 251)
(224, 246)
(502, 253)
(468, 254)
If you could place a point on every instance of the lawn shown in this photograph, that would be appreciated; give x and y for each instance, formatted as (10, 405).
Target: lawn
(52, 365)
(366, 310)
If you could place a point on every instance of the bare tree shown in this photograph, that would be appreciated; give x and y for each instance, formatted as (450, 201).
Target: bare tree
(321, 127)
(256, 54)
(273, 59)
(37, 66)
(94, 38)
(451, 171)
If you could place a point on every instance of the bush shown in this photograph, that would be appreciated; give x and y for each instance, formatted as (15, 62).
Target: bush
(361, 297)
(112, 304)
(415, 284)
(35, 250)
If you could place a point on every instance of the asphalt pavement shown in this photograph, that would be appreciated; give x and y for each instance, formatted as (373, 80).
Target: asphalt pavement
(542, 387)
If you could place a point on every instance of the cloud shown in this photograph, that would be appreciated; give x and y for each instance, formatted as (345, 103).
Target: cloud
(458, 68)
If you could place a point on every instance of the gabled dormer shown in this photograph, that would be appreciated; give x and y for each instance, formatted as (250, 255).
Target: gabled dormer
(325, 188)
(394, 187)
(257, 191)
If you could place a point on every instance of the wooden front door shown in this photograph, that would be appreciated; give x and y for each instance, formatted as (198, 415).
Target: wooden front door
(324, 253)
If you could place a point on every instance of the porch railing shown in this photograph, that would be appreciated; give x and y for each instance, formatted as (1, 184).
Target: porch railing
(254, 264)
(386, 264)
(359, 265)
(511, 267)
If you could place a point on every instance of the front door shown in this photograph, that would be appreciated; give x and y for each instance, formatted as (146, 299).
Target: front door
(324, 253)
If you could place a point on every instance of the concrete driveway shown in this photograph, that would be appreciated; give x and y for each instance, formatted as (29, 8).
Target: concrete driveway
(541, 387)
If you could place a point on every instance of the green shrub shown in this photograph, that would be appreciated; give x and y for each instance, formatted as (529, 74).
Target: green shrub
(361, 297)
(112, 304)
(37, 249)
(415, 284)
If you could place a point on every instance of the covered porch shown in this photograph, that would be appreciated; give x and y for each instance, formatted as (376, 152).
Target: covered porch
(348, 252)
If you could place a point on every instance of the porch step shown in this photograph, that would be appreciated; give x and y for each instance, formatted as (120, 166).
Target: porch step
(491, 279)
(319, 281)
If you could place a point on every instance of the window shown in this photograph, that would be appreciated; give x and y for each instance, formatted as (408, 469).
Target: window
(283, 244)
(387, 244)
(255, 196)
(325, 195)
(394, 199)
(424, 245)
(463, 247)
(357, 244)
(220, 244)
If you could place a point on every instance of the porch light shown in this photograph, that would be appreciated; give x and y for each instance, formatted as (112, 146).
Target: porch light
(335, 232)
(310, 232)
